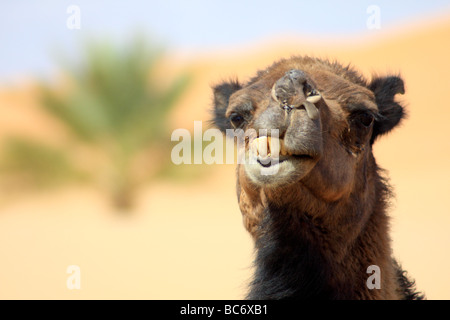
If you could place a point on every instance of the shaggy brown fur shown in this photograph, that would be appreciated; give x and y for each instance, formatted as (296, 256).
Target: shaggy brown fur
(321, 221)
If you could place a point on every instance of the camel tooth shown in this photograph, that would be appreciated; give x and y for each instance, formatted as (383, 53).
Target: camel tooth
(282, 148)
(314, 99)
(275, 147)
(261, 146)
(313, 112)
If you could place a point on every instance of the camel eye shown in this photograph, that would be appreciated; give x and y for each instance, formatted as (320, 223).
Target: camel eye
(236, 120)
(366, 119)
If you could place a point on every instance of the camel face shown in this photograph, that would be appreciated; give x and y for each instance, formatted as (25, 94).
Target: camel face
(324, 120)
(288, 138)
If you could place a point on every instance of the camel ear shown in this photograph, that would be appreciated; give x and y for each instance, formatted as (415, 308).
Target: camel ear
(222, 93)
(390, 112)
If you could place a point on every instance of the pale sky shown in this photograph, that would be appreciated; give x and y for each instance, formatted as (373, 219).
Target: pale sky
(31, 31)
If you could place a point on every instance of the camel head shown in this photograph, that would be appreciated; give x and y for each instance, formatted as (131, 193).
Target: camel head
(312, 124)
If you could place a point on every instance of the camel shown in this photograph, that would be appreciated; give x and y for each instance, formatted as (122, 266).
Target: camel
(320, 222)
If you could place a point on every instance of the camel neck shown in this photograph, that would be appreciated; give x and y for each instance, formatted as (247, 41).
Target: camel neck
(324, 254)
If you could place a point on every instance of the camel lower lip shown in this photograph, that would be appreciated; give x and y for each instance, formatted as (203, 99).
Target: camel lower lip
(268, 162)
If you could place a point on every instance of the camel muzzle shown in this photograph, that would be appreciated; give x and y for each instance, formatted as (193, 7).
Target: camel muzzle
(293, 91)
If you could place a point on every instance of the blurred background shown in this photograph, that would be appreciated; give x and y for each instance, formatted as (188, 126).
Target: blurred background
(90, 92)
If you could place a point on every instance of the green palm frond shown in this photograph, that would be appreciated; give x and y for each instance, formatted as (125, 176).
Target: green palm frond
(116, 95)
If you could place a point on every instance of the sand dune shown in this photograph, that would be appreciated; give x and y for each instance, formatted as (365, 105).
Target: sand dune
(186, 241)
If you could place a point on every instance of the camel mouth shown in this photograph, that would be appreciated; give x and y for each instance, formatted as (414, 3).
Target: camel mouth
(271, 164)
(269, 151)
(268, 162)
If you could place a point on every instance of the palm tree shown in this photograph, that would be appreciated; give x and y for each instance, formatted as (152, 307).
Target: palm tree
(117, 105)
